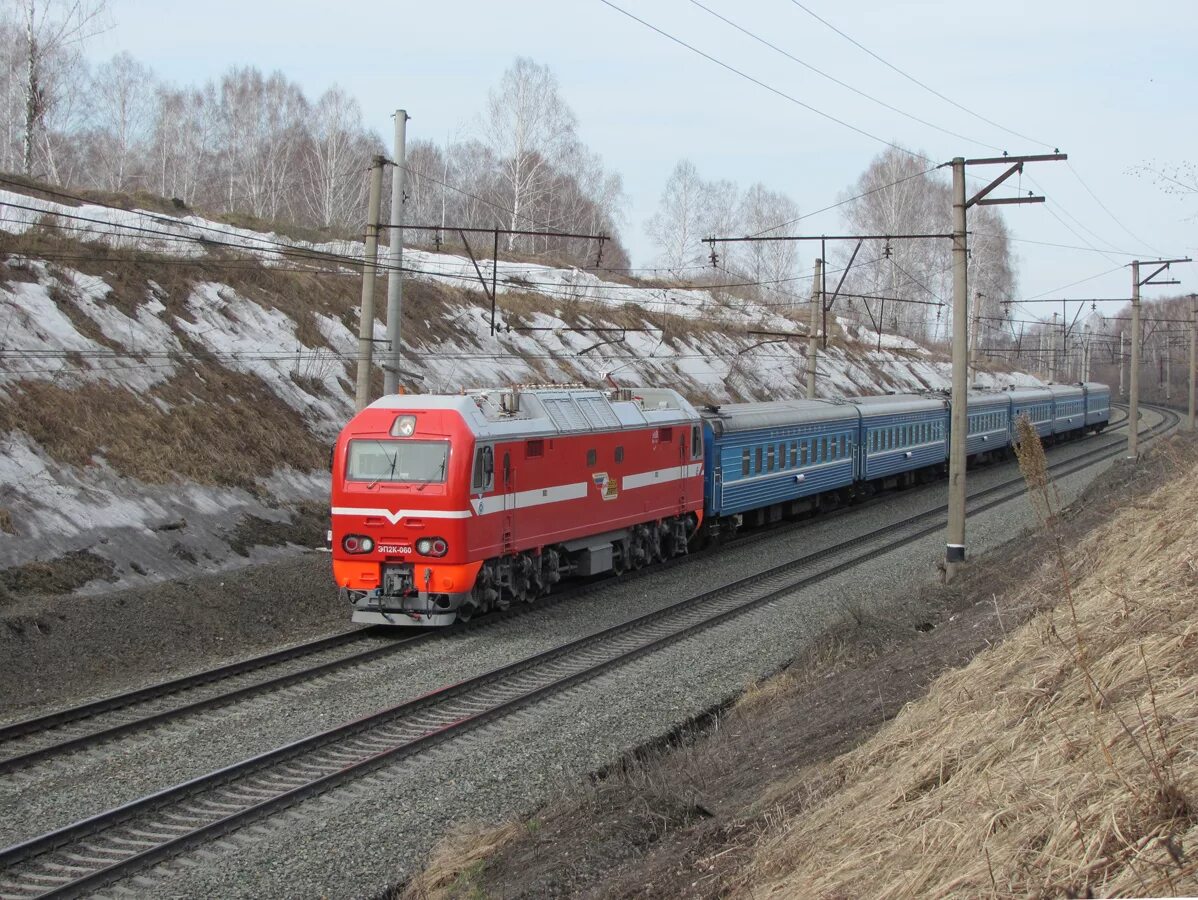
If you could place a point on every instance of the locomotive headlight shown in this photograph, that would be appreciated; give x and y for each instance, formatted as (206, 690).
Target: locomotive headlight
(357, 543)
(404, 426)
(432, 546)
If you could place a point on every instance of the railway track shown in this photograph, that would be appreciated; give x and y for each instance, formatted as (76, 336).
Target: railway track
(105, 848)
(43, 738)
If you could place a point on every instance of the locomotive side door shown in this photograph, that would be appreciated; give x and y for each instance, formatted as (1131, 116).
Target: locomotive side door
(684, 440)
(509, 503)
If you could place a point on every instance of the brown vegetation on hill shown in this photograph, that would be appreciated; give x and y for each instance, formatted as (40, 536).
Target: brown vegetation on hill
(1063, 762)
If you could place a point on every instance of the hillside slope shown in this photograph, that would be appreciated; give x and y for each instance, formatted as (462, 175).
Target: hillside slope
(170, 385)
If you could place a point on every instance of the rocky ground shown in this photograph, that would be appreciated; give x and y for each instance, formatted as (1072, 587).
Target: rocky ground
(57, 649)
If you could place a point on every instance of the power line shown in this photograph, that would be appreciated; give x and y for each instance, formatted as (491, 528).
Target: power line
(847, 200)
(760, 83)
(1114, 218)
(915, 80)
(836, 80)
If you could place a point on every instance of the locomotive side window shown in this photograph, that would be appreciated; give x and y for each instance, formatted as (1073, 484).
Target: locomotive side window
(484, 468)
(696, 442)
(619, 454)
(592, 457)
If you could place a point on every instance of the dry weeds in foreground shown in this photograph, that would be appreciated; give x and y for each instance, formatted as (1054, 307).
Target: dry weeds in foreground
(1064, 762)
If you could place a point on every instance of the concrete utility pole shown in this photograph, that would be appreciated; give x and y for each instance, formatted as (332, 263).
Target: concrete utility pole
(1133, 402)
(1086, 355)
(1133, 407)
(817, 305)
(1193, 357)
(975, 325)
(1168, 370)
(954, 553)
(369, 271)
(395, 256)
(1122, 391)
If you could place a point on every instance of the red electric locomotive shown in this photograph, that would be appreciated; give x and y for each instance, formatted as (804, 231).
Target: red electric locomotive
(444, 506)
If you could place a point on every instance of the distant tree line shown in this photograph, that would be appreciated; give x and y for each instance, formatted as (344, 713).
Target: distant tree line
(254, 143)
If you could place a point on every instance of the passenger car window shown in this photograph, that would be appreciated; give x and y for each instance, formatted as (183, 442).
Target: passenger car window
(744, 461)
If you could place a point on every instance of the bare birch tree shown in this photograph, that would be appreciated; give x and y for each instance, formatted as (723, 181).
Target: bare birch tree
(50, 27)
(122, 93)
(896, 196)
(528, 126)
(770, 263)
(678, 225)
(336, 160)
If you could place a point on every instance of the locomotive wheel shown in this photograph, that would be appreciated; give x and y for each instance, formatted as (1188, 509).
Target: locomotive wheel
(466, 612)
(619, 557)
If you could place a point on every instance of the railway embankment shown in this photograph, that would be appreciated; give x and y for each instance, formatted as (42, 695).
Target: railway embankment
(169, 389)
(1033, 732)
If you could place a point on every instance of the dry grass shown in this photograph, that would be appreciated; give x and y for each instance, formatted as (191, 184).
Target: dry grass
(6, 523)
(223, 427)
(458, 860)
(1062, 763)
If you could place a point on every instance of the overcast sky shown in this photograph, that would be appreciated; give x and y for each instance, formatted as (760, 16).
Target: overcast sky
(1113, 84)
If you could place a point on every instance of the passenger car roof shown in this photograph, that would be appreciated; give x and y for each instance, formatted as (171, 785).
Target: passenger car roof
(733, 417)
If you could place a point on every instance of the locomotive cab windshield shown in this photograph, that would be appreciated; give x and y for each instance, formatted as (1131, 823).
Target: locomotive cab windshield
(397, 461)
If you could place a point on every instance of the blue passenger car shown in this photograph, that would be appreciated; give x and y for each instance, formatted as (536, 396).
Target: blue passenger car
(900, 433)
(989, 422)
(1098, 405)
(1068, 408)
(765, 455)
(1036, 404)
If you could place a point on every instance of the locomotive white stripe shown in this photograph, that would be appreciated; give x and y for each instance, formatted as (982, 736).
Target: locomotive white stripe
(484, 506)
(394, 517)
(660, 476)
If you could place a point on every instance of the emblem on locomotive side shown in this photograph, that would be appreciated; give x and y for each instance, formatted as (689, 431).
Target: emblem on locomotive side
(608, 487)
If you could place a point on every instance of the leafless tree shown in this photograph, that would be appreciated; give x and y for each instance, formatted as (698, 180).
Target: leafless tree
(261, 133)
(51, 28)
(679, 224)
(770, 263)
(528, 127)
(183, 142)
(336, 160)
(896, 196)
(123, 94)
